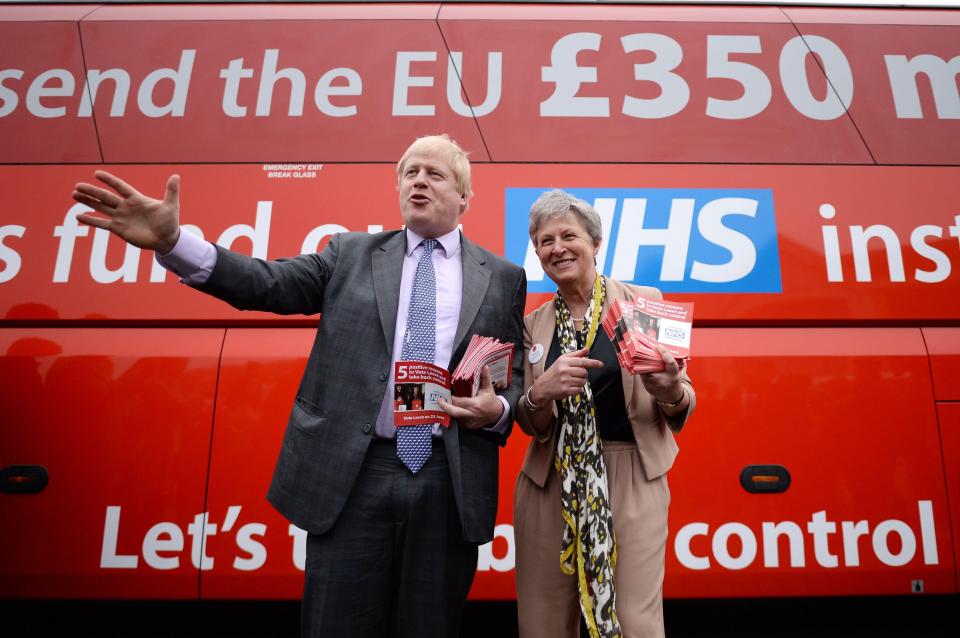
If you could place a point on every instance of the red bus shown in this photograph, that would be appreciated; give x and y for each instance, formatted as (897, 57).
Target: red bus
(792, 170)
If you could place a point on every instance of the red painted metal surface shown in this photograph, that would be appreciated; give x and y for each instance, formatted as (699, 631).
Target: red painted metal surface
(900, 85)
(109, 383)
(848, 413)
(801, 398)
(259, 375)
(620, 113)
(949, 415)
(540, 83)
(120, 419)
(41, 88)
(260, 372)
(943, 344)
(343, 67)
(62, 272)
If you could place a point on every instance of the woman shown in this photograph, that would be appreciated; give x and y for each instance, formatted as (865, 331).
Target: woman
(416, 400)
(591, 500)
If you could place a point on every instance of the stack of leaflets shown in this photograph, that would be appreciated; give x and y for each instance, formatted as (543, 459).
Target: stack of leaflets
(483, 351)
(636, 328)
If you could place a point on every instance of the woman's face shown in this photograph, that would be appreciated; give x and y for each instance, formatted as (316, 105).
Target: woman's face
(566, 251)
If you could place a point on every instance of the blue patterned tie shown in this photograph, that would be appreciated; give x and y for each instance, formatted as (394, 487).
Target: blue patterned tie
(419, 344)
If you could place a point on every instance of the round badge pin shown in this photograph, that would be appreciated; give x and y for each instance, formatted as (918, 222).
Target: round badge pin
(536, 353)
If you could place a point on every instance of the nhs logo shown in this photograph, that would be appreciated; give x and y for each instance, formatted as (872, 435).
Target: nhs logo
(677, 239)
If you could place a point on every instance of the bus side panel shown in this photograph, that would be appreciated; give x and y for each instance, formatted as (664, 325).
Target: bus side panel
(899, 79)
(848, 413)
(823, 403)
(229, 84)
(120, 419)
(262, 556)
(949, 414)
(40, 104)
(944, 347)
(781, 268)
(248, 208)
(625, 119)
(345, 107)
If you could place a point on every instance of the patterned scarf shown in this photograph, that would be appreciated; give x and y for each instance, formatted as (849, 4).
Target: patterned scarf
(588, 548)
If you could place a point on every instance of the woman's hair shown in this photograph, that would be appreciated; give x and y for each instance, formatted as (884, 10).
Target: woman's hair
(558, 203)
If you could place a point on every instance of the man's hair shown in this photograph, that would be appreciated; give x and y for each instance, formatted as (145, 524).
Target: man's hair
(455, 156)
(558, 203)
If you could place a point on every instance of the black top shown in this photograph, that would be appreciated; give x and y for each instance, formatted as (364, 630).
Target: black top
(606, 383)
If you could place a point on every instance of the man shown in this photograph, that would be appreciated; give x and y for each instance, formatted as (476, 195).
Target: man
(394, 518)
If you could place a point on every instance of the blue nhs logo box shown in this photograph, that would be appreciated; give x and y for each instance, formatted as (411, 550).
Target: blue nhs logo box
(677, 239)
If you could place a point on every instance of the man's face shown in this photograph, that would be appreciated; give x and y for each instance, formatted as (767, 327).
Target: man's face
(430, 203)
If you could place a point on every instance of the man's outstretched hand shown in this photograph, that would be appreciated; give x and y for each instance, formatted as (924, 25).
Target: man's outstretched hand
(140, 220)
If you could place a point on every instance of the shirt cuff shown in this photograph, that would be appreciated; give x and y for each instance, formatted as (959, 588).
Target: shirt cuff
(501, 426)
(192, 258)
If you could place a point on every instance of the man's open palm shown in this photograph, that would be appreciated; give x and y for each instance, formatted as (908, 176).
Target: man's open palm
(140, 220)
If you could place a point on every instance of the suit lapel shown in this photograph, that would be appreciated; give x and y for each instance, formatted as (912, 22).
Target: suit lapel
(387, 270)
(476, 280)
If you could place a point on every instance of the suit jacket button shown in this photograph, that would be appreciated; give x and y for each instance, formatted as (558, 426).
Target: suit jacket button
(367, 428)
(384, 375)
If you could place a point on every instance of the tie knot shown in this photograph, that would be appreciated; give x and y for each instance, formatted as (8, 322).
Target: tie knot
(429, 245)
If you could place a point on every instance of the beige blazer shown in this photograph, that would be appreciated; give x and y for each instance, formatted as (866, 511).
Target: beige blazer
(651, 429)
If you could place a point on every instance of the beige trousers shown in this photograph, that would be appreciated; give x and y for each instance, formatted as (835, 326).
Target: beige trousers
(547, 599)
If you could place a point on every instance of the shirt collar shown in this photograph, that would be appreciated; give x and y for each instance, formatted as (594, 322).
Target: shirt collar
(450, 242)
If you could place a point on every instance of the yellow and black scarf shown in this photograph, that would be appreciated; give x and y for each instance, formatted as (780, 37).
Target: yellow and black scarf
(588, 548)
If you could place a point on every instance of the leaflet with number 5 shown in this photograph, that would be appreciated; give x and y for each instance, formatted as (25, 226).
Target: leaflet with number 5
(418, 387)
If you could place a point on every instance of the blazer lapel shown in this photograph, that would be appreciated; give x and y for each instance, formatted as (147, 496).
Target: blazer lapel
(476, 280)
(387, 270)
(541, 332)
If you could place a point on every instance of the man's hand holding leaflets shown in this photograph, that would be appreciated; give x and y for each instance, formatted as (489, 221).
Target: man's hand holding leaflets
(423, 391)
(483, 352)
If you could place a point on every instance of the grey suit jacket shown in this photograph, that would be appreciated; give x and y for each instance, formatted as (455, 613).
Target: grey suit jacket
(355, 283)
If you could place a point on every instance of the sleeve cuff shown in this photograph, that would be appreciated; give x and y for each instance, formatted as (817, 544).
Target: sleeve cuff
(501, 426)
(192, 258)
